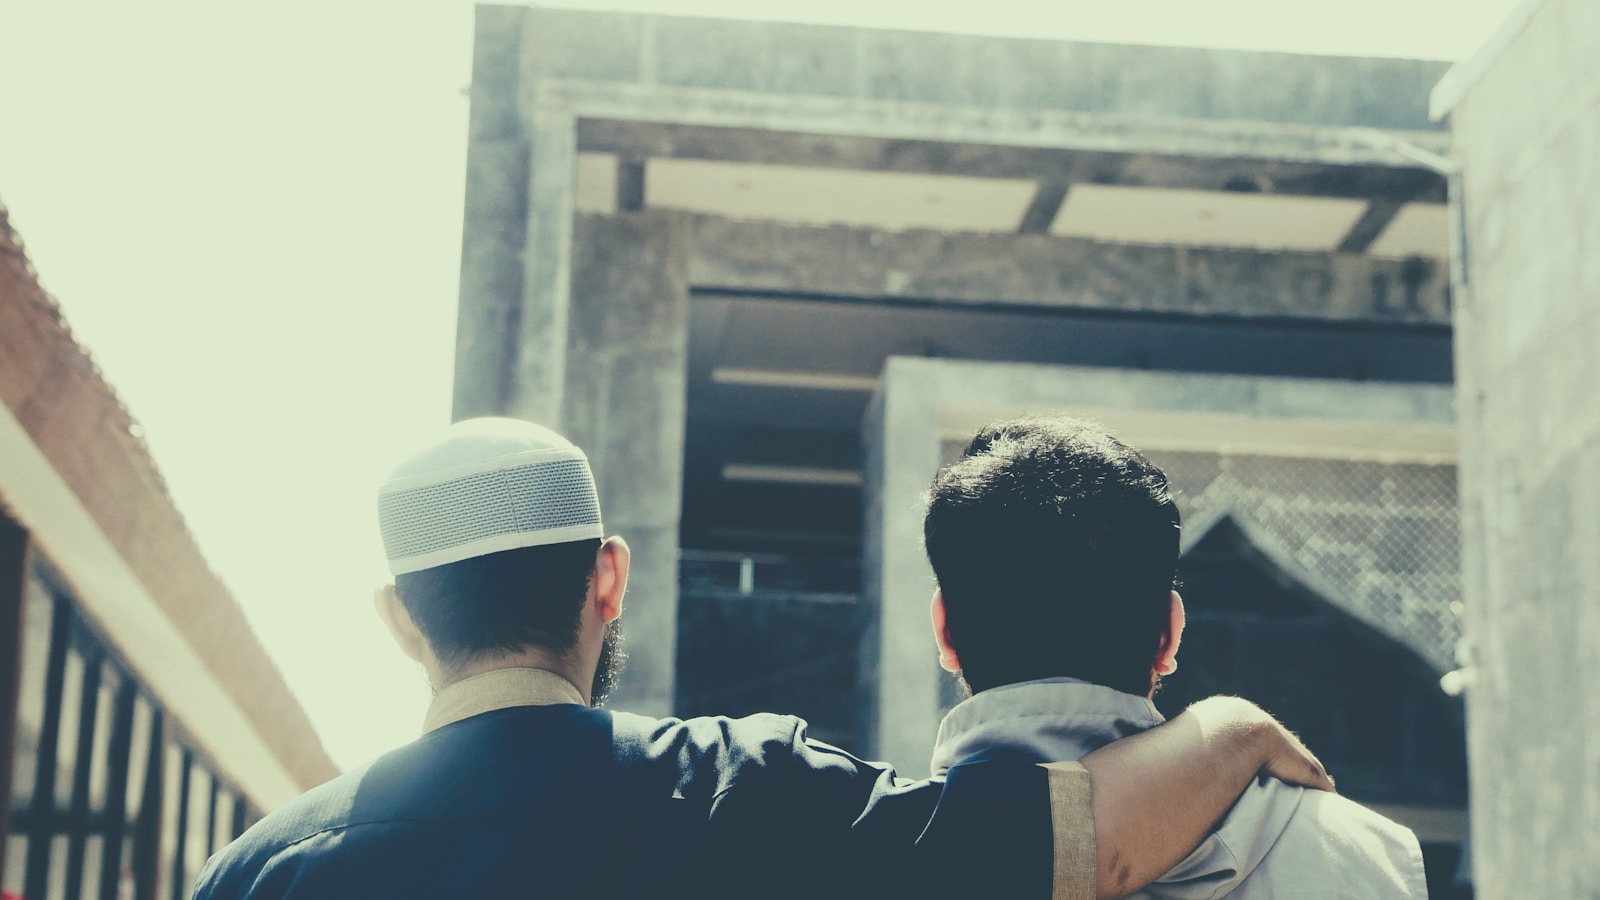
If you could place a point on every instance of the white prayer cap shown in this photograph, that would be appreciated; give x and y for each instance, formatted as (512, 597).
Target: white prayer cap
(485, 486)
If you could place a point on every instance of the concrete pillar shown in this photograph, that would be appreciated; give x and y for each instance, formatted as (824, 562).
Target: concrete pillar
(516, 275)
(494, 227)
(899, 667)
(605, 363)
(516, 257)
(538, 365)
(600, 355)
(624, 403)
(1526, 118)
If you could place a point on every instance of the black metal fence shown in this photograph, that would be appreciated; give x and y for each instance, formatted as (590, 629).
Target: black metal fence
(110, 799)
(818, 579)
(766, 632)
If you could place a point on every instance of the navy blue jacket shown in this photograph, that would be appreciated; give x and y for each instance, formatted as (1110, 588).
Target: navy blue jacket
(564, 801)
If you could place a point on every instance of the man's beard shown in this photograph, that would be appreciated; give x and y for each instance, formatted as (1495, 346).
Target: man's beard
(608, 669)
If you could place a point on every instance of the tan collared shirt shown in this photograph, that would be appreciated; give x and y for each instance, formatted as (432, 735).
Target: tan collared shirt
(498, 689)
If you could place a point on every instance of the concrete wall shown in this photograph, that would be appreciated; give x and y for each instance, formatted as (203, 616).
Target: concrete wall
(1528, 139)
(1068, 273)
(623, 402)
(900, 674)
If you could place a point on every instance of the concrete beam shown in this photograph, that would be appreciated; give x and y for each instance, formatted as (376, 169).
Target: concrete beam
(1377, 216)
(899, 120)
(1141, 161)
(1044, 207)
(793, 60)
(630, 185)
(1065, 273)
(495, 220)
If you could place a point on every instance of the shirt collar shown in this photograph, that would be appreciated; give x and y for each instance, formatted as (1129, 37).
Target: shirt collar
(498, 689)
(1048, 719)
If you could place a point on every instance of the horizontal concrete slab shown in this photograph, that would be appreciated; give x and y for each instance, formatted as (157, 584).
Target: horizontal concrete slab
(1067, 273)
(788, 59)
(917, 120)
(1258, 167)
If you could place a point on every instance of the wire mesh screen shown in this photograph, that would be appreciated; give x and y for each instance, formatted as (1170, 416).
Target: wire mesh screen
(1377, 539)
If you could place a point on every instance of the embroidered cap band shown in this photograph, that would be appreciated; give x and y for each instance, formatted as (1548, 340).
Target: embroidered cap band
(488, 485)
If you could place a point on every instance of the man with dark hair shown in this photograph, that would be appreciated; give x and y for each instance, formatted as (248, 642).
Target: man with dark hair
(1055, 547)
(508, 595)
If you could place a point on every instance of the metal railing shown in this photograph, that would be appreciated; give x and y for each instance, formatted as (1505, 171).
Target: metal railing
(110, 799)
(822, 579)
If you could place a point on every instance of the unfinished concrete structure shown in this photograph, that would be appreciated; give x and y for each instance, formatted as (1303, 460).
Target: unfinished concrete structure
(1526, 118)
(746, 266)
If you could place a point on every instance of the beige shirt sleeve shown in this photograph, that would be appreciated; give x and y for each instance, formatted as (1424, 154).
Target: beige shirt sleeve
(1072, 824)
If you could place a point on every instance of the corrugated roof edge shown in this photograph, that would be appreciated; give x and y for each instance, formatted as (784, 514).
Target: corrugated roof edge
(117, 480)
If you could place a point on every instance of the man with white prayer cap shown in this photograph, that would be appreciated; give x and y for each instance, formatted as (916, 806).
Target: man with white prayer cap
(508, 594)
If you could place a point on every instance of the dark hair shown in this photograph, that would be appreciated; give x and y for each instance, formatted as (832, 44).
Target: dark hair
(506, 601)
(1055, 546)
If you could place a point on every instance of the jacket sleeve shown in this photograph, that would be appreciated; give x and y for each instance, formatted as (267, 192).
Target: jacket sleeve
(1012, 829)
(998, 829)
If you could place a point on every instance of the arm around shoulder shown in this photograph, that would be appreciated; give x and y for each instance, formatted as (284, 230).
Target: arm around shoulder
(1156, 795)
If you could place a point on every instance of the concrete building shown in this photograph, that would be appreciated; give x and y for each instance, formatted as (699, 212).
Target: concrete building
(142, 725)
(770, 276)
(1526, 119)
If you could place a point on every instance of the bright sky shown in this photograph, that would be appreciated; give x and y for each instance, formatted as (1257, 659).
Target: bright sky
(251, 214)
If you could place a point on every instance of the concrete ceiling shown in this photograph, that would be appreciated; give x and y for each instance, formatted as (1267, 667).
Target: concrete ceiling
(1419, 229)
(894, 201)
(596, 189)
(1143, 215)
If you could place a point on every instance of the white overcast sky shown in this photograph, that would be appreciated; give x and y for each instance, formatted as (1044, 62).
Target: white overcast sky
(251, 214)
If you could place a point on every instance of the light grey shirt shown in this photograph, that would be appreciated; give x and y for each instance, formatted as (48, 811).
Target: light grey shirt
(1277, 841)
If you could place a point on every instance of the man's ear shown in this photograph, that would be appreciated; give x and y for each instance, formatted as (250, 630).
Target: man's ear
(402, 628)
(1167, 655)
(609, 581)
(941, 636)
